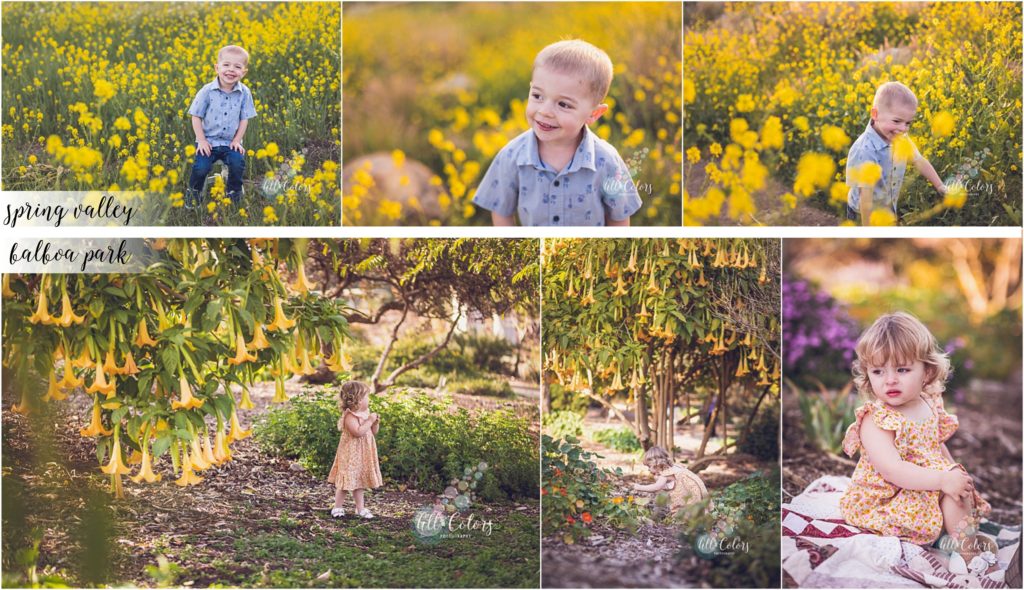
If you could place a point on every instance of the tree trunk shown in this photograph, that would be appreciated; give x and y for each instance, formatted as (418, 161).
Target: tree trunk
(753, 414)
(641, 418)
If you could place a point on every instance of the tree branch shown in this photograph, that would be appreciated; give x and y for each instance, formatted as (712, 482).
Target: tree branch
(425, 356)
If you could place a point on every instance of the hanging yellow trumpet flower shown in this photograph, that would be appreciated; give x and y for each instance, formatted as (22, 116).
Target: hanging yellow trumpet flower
(259, 339)
(631, 267)
(236, 432)
(84, 361)
(95, 428)
(338, 361)
(146, 472)
(69, 381)
(199, 459)
(142, 337)
(702, 282)
(100, 385)
(7, 291)
(221, 452)
(620, 287)
(241, 354)
(246, 402)
(53, 392)
(188, 477)
(116, 465)
(570, 292)
(187, 401)
(129, 368)
(589, 299)
(281, 321)
(42, 314)
(67, 316)
(279, 395)
(302, 284)
(208, 454)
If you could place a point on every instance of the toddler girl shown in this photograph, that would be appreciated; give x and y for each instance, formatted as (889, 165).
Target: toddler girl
(683, 485)
(355, 464)
(906, 483)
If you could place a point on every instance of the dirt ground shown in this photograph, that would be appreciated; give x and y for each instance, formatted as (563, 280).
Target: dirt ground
(652, 557)
(255, 492)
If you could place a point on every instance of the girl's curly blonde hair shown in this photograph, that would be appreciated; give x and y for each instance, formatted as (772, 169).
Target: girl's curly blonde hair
(657, 460)
(351, 393)
(902, 339)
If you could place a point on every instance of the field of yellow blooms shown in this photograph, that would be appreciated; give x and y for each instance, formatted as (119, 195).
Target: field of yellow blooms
(433, 91)
(775, 94)
(96, 96)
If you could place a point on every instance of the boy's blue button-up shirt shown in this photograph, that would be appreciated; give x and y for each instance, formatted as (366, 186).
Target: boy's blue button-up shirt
(870, 147)
(594, 184)
(222, 111)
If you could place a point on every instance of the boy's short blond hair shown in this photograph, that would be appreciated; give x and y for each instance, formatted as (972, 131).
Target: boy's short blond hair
(902, 339)
(234, 49)
(893, 92)
(575, 56)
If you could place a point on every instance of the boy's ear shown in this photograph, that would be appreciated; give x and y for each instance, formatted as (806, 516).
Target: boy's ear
(874, 114)
(597, 112)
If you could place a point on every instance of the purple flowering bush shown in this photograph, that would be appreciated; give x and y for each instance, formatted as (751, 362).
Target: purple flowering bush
(819, 336)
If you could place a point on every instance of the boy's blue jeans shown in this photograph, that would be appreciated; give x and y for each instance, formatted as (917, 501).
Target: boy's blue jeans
(235, 162)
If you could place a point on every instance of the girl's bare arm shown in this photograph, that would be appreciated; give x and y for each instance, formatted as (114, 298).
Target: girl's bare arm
(657, 486)
(880, 447)
(354, 428)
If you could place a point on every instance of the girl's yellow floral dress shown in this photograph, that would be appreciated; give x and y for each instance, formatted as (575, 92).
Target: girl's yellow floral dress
(355, 464)
(873, 503)
(686, 489)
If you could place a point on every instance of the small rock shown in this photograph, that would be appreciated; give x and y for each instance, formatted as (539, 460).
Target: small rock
(324, 576)
(296, 467)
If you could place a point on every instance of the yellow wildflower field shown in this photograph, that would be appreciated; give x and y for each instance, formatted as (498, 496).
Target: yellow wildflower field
(432, 91)
(96, 97)
(775, 94)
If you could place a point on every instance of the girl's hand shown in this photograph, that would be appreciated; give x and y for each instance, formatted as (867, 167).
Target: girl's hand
(957, 483)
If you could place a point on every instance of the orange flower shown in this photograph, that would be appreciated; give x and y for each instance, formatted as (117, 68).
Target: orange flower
(67, 316)
(570, 520)
(586, 517)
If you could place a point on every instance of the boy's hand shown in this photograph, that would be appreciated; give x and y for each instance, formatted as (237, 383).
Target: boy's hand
(237, 146)
(943, 190)
(204, 147)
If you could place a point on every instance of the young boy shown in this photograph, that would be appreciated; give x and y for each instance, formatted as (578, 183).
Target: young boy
(891, 114)
(559, 172)
(220, 115)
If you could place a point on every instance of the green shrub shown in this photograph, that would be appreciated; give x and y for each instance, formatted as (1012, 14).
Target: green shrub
(482, 386)
(563, 424)
(488, 353)
(827, 415)
(746, 512)
(762, 440)
(577, 492)
(621, 439)
(422, 442)
(305, 429)
(563, 399)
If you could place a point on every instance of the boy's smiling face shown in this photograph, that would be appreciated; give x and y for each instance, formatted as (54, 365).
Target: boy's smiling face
(231, 67)
(893, 120)
(560, 104)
